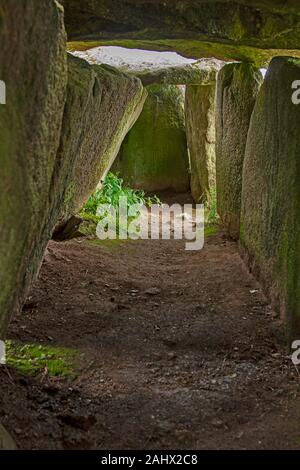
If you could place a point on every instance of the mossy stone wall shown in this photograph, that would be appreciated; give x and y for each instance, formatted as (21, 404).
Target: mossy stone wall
(270, 217)
(154, 154)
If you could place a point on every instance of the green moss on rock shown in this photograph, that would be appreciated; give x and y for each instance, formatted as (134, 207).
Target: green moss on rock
(32, 359)
(154, 155)
(270, 218)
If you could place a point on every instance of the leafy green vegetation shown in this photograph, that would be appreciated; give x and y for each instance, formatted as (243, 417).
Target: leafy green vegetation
(31, 359)
(211, 215)
(112, 190)
(211, 230)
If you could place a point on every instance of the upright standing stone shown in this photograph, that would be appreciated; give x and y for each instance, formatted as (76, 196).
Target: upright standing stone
(200, 131)
(270, 217)
(154, 154)
(237, 88)
(33, 67)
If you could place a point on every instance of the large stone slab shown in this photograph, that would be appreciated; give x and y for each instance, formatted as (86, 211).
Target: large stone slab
(270, 218)
(237, 88)
(200, 130)
(33, 66)
(154, 154)
(202, 72)
(243, 30)
(102, 105)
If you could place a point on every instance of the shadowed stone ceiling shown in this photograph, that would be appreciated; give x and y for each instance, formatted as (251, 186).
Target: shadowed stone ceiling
(233, 30)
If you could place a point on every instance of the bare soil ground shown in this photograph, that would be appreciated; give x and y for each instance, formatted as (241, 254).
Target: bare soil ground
(177, 350)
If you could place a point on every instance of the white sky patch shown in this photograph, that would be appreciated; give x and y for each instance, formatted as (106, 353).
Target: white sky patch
(264, 71)
(133, 59)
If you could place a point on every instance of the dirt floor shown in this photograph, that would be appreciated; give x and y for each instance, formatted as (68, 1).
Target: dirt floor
(176, 349)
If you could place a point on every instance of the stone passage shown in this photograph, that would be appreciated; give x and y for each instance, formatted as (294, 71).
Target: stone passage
(154, 154)
(237, 88)
(200, 130)
(270, 218)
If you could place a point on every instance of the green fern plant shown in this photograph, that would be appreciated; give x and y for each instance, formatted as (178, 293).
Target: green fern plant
(110, 193)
